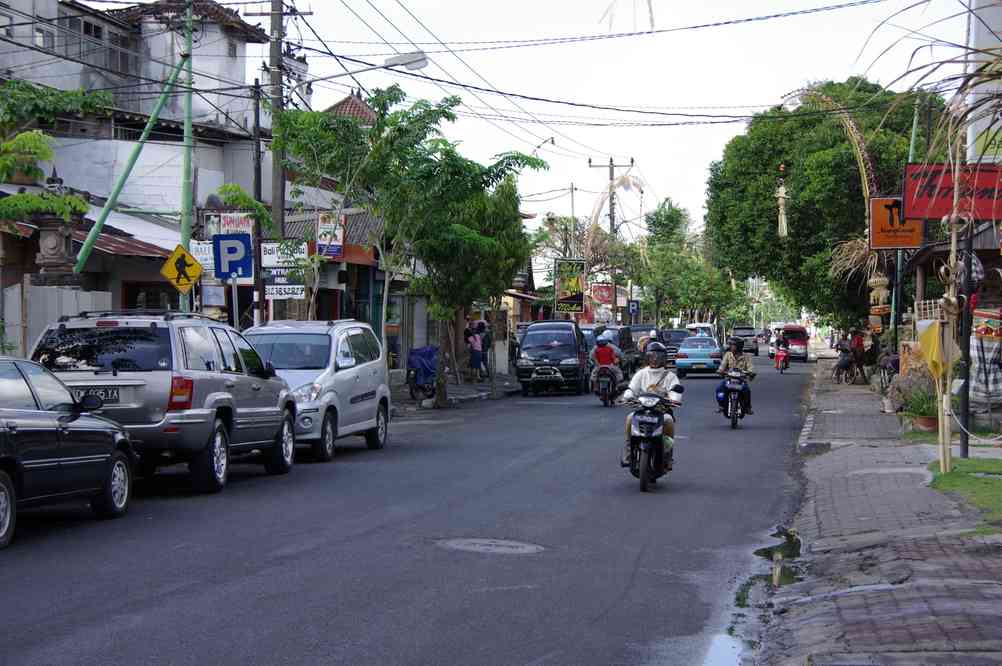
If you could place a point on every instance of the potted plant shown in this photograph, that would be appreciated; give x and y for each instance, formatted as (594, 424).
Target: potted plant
(921, 406)
(19, 157)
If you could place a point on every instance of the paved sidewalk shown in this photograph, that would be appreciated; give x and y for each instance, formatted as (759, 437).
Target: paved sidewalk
(891, 571)
(457, 393)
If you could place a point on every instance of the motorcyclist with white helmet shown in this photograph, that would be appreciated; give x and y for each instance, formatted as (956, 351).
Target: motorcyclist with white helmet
(606, 354)
(655, 378)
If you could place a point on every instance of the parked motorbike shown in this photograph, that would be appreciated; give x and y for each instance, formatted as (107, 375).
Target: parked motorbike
(730, 396)
(605, 385)
(421, 368)
(647, 424)
(782, 359)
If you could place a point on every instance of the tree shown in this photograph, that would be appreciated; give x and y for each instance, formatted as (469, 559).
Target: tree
(825, 200)
(371, 165)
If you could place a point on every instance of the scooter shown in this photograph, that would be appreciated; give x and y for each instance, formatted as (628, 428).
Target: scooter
(422, 364)
(647, 439)
(729, 397)
(605, 385)
(782, 359)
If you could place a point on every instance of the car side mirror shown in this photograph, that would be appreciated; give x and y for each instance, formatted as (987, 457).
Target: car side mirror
(269, 370)
(345, 362)
(91, 402)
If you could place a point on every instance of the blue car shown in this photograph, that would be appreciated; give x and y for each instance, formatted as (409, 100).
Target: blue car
(699, 353)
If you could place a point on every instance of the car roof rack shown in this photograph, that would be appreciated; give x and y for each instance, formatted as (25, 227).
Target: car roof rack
(137, 312)
(302, 322)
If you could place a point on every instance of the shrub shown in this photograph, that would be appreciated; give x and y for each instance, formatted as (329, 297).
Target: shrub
(920, 403)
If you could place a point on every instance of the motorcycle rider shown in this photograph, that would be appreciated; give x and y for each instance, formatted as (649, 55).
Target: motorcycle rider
(655, 378)
(735, 359)
(606, 354)
(782, 343)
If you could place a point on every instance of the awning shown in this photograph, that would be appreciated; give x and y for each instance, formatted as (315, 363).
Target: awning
(520, 295)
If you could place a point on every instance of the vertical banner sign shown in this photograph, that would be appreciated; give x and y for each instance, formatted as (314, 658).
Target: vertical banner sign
(330, 235)
(568, 285)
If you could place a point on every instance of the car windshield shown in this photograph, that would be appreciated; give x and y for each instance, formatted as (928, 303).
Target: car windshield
(699, 343)
(799, 336)
(552, 342)
(674, 337)
(589, 336)
(120, 349)
(293, 351)
(744, 332)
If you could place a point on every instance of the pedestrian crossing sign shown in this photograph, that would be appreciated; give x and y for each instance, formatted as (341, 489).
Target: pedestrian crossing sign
(181, 269)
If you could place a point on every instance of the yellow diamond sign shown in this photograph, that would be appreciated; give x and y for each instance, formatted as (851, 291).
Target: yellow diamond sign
(181, 269)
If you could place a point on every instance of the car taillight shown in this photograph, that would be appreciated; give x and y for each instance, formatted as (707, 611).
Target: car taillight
(682, 355)
(182, 390)
(106, 323)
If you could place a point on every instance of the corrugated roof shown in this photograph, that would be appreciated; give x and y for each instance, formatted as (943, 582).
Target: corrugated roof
(361, 227)
(110, 241)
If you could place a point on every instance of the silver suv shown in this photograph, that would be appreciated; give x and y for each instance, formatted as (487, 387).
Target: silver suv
(186, 387)
(339, 377)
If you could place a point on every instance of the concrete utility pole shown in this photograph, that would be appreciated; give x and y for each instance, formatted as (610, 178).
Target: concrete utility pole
(187, 186)
(612, 189)
(262, 303)
(277, 102)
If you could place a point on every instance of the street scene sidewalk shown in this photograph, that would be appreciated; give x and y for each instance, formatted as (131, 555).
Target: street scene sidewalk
(891, 570)
(457, 393)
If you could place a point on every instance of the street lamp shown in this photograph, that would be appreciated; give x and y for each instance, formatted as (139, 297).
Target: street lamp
(412, 61)
(551, 140)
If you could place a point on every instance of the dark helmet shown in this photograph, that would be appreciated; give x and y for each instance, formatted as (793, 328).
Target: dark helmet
(738, 343)
(657, 355)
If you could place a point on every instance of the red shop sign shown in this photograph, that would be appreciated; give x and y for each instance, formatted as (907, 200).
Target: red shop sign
(929, 191)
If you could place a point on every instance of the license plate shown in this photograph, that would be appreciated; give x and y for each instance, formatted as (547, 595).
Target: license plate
(647, 419)
(109, 394)
(699, 365)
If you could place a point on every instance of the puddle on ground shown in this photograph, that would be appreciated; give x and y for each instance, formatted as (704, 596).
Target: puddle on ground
(789, 548)
(724, 651)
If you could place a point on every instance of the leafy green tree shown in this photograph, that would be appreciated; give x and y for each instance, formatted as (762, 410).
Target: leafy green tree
(825, 200)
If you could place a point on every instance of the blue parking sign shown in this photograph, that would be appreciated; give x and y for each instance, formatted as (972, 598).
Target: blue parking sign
(633, 307)
(232, 253)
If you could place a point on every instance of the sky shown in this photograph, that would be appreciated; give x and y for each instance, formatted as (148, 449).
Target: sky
(735, 69)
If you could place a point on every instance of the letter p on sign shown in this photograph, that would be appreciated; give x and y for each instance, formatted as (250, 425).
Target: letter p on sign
(232, 253)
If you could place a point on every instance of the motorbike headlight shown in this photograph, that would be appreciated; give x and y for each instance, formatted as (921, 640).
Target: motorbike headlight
(649, 402)
(308, 392)
(569, 361)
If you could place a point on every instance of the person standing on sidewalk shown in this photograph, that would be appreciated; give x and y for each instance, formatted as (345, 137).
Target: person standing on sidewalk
(476, 354)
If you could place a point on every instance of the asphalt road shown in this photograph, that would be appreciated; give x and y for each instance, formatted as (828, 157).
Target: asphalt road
(344, 564)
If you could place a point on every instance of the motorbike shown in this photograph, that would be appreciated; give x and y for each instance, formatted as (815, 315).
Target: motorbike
(605, 385)
(782, 359)
(421, 368)
(729, 397)
(647, 423)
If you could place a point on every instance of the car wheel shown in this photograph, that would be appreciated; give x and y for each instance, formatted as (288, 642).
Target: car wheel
(323, 448)
(376, 438)
(211, 466)
(113, 500)
(8, 509)
(283, 453)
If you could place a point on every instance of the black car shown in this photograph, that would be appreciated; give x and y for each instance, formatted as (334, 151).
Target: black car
(52, 448)
(553, 354)
(622, 337)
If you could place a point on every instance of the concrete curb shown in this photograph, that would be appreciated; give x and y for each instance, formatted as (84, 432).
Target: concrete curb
(805, 444)
(484, 395)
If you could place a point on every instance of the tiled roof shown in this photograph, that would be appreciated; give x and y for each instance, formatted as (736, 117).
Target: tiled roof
(353, 106)
(206, 9)
(361, 227)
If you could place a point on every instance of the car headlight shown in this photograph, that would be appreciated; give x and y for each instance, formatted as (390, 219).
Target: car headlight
(569, 361)
(649, 402)
(524, 363)
(308, 392)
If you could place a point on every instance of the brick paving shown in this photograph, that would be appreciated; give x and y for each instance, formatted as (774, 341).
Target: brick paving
(892, 573)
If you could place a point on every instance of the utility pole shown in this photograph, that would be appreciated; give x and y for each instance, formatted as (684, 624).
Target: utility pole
(612, 189)
(261, 303)
(572, 206)
(277, 102)
(187, 204)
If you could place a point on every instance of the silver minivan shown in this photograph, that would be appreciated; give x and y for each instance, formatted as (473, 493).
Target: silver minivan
(186, 387)
(339, 379)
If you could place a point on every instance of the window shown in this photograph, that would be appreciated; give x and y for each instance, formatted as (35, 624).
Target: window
(14, 391)
(93, 31)
(293, 351)
(126, 349)
(344, 349)
(199, 348)
(252, 362)
(52, 395)
(5, 25)
(361, 346)
(45, 39)
(231, 360)
(231, 48)
(120, 57)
